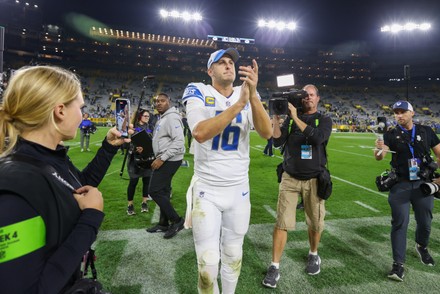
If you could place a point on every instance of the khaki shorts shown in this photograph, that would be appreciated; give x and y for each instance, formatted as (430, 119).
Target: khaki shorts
(314, 208)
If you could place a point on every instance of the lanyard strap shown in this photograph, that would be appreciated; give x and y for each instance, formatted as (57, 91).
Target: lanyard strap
(413, 136)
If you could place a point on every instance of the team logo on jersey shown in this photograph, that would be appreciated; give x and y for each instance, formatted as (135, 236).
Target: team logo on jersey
(202, 194)
(209, 101)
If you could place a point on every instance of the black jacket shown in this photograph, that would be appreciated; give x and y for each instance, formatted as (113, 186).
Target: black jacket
(28, 192)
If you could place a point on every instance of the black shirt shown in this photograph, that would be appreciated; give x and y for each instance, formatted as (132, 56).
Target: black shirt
(316, 134)
(400, 141)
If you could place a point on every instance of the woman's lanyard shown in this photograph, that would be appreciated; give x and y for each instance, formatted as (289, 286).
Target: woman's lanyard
(413, 136)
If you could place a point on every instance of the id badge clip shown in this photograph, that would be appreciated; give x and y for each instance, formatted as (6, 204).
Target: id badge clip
(414, 169)
(306, 151)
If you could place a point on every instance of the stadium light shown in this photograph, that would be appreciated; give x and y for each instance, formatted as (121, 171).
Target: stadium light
(278, 25)
(409, 27)
(184, 15)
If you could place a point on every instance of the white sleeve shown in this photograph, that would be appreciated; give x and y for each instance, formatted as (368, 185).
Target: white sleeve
(196, 112)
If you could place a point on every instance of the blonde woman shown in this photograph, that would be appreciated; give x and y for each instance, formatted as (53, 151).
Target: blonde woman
(49, 210)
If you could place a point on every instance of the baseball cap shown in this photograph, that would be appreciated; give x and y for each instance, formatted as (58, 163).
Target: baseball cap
(219, 54)
(405, 105)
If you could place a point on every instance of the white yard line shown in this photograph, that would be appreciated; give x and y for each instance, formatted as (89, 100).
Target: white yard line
(359, 186)
(271, 211)
(366, 206)
(352, 153)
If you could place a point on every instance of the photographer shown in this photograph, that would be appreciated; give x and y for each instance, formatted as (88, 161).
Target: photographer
(411, 144)
(86, 128)
(138, 166)
(304, 136)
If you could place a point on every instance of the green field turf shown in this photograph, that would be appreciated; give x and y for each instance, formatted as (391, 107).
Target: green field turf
(355, 246)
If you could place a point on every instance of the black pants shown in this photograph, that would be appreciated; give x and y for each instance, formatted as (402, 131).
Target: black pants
(132, 187)
(268, 149)
(160, 190)
(401, 196)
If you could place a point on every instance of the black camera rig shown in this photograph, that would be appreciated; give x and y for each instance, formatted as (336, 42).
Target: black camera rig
(278, 104)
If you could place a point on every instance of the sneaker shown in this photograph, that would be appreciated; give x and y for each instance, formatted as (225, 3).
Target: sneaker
(149, 198)
(88, 150)
(397, 273)
(82, 150)
(313, 265)
(157, 229)
(425, 257)
(130, 210)
(144, 207)
(272, 277)
(174, 229)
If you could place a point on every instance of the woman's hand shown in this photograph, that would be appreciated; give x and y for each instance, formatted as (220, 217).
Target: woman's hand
(89, 197)
(114, 136)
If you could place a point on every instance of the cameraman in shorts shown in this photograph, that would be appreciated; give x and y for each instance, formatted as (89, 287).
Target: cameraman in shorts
(411, 145)
(304, 136)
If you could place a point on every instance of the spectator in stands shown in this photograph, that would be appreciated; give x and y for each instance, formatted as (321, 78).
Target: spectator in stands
(86, 128)
(139, 163)
(411, 145)
(220, 117)
(53, 208)
(304, 136)
(169, 148)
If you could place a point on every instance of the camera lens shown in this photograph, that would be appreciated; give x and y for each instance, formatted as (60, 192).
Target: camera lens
(429, 188)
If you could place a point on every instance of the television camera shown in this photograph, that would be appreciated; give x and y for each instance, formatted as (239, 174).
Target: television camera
(279, 103)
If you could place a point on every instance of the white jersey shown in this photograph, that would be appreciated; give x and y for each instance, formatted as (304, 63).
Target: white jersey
(224, 159)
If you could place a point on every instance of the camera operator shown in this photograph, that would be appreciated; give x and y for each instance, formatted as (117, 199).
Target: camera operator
(85, 128)
(304, 137)
(412, 144)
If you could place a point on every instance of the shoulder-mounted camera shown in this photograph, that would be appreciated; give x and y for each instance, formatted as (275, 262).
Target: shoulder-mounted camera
(278, 104)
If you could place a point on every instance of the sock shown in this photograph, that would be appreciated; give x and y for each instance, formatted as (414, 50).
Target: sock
(275, 264)
(313, 253)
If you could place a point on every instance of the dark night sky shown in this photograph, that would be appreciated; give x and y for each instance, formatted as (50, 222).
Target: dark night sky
(319, 22)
